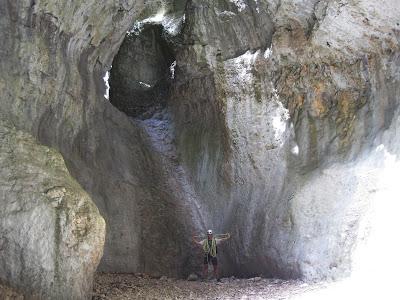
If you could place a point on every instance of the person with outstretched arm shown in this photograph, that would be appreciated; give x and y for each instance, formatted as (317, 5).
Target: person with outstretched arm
(209, 246)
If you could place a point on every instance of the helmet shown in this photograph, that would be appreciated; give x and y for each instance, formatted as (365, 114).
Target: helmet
(209, 231)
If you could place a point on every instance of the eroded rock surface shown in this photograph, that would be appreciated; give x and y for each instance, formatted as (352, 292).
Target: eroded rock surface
(56, 55)
(51, 233)
(281, 119)
(288, 135)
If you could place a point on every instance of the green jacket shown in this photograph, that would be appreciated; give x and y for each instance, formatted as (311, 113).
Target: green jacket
(210, 250)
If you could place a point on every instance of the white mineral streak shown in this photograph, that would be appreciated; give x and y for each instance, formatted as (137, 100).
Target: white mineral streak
(106, 78)
(257, 7)
(172, 69)
(240, 4)
(275, 92)
(146, 85)
(156, 19)
(267, 53)
(171, 24)
(279, 121)
(295, 150)
(225, 13)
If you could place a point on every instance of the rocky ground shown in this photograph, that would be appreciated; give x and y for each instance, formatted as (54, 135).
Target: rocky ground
(7, 293)
(129, 286)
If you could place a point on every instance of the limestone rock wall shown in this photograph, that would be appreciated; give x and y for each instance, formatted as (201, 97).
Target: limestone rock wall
(54, 57)
(281, 115)
(297, 111)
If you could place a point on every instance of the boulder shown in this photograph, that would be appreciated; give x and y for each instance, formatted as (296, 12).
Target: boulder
(51, 233)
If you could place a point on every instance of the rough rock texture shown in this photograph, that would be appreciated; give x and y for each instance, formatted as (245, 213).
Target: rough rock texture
(52, 234)
(297, 114)
(280, 118)
(55, 57)
(281, 135)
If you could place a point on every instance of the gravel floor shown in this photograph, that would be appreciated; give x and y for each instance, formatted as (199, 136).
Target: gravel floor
(6, 293)
(129, 286)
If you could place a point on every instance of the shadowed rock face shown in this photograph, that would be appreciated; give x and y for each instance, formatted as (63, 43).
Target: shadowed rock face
(276, 127)
(140, 76)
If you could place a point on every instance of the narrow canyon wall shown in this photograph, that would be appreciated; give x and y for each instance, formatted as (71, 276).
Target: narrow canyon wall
(278, 123)
(54, 57)
(278, 127)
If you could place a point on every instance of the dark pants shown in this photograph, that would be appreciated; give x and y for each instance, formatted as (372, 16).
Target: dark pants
(208, 258)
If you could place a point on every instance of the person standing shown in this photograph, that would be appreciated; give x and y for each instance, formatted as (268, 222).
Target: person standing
(210, 249)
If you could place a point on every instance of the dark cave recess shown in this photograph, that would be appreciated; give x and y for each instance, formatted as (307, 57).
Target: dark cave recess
(141, 72)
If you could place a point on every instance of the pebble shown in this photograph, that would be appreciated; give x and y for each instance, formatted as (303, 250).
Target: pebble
(192, 277)
(255, 279)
